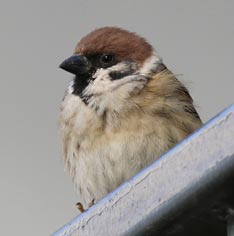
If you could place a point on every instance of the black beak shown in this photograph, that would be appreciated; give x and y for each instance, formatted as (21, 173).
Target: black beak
(76, 64)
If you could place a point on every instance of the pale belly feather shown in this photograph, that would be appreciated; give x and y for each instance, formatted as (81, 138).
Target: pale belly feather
(99, 159)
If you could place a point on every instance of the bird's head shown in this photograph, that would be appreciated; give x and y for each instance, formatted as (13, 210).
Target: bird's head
(109, 64)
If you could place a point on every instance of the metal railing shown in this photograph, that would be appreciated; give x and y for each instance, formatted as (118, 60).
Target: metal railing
(188, 191)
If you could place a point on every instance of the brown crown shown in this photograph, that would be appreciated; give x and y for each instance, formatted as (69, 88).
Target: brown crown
(122, 43)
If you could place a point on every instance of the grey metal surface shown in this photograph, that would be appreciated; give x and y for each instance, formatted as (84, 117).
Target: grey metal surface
(188, 187)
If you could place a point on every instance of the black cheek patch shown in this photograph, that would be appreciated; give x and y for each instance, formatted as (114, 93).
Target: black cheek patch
(119, 75)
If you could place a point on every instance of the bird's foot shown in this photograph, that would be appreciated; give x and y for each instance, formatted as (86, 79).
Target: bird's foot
(92, 203)
(80, 207)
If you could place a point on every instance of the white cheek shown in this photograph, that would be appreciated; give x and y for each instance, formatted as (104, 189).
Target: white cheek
(103, 83)
(104, 93)
(151, 64)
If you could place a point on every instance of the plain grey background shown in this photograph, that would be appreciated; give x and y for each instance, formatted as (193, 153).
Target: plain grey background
(195, 38)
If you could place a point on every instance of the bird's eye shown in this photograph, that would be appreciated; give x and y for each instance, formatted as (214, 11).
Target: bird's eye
(107, 59)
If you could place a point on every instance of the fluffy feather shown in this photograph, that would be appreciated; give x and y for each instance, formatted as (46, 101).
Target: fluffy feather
(132, 126)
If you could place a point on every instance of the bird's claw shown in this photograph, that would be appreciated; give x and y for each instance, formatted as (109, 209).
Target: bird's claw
(92, 203)
(80, 207)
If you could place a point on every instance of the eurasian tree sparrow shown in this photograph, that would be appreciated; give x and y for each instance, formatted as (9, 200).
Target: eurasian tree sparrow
(121, 112)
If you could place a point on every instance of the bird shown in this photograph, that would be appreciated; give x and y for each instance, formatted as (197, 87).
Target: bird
(122, 110)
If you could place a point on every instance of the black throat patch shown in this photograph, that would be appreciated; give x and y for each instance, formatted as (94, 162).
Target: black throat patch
(79, 85)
